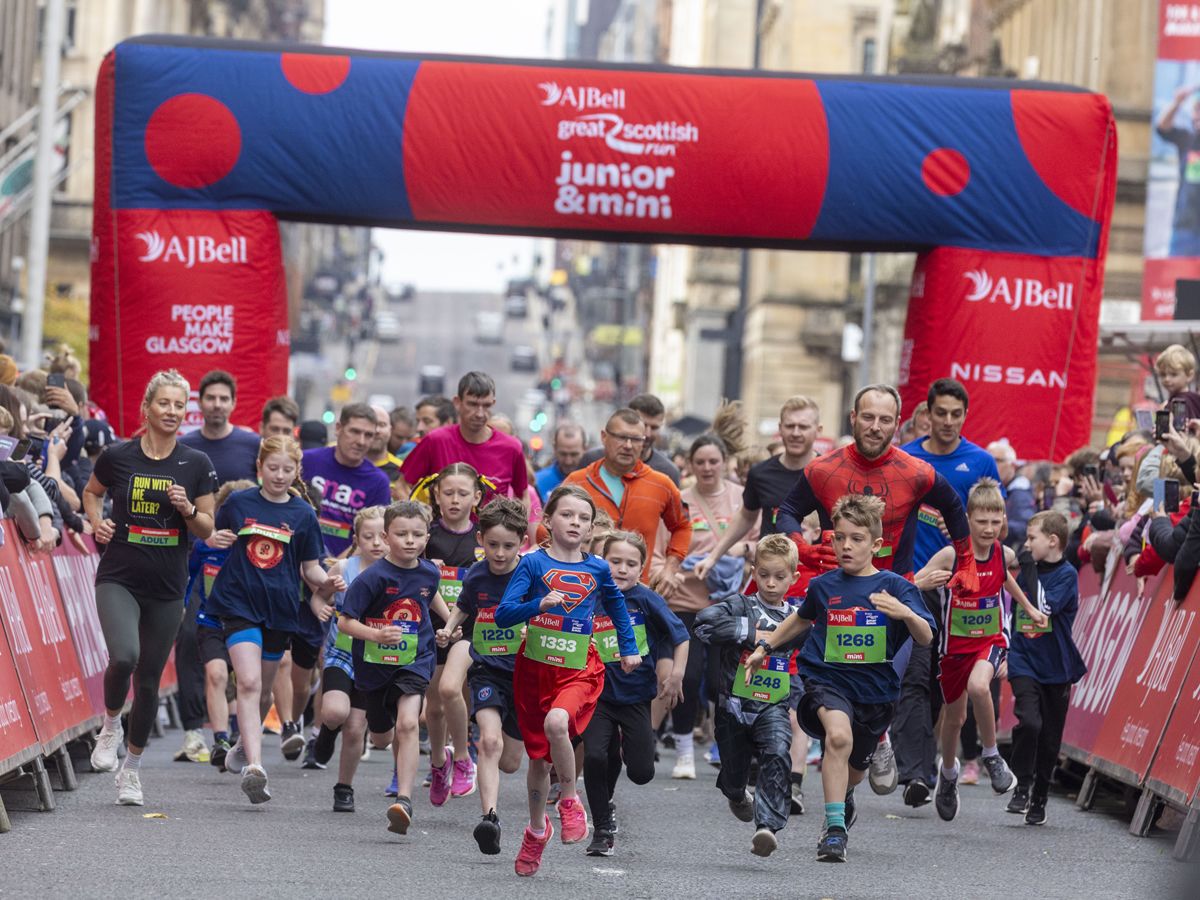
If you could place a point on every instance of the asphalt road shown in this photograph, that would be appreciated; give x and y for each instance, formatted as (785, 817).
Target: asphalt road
(677, 839)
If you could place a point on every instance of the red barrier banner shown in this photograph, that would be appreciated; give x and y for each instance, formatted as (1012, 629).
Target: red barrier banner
(76, 574)
(1149, 687)
(1175, 772)
(1104, 631)
(18, 739)
(41, 644)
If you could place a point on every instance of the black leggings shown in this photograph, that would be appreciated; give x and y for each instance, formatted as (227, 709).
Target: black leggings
(683, 717)
(603, 753)
(139, 633)
(1041, 711)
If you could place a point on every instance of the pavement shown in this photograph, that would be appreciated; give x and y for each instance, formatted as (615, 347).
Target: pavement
(198, 836)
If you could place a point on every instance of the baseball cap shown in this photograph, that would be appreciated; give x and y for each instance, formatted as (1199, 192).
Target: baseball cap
(313, 434)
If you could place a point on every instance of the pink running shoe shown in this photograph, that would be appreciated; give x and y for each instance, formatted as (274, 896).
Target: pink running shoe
(530, 857)
(573, 818)
(464, 778)
(439, 785)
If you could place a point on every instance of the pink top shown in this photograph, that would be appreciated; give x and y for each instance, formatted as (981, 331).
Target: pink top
(499, 458)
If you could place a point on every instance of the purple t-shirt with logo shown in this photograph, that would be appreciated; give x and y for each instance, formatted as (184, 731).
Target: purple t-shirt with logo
(345, 490)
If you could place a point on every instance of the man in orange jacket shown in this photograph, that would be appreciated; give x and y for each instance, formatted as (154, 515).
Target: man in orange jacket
(637, 497)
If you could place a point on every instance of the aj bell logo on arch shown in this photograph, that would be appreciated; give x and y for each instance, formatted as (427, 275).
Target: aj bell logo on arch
(191, 249)
(1018, 292)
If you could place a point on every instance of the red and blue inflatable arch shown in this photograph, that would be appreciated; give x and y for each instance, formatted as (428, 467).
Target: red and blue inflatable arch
(201, 146)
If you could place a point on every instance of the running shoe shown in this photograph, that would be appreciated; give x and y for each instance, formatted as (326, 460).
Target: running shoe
(324, 744)
(343, 798)
(814, 754)
(463, 781)
(399, 816)
(1036, 813)
(573, 819)
(439, 786)
(487, 834)
(602, 843)
(743, 809)
(970, 772)
(883, 776)
(945, 800)
(764, 842)
(194, 749)
(216, 756)
(712, 755)
(685, 767)
(394, 788)
(1019, 801)
(832, 846)
(612, 817)
(104, 754)
(916, 793)
(291, 741)
(235, 759)
(529, 859)
(254, 784)
(999, 773)
(796, 803)
(129, 788)
(310, 756)
(851, 810)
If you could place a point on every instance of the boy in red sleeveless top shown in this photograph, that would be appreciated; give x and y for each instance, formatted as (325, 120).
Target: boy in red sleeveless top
(974, 640)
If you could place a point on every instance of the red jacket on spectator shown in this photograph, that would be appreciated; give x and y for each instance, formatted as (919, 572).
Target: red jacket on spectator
(1149, 562)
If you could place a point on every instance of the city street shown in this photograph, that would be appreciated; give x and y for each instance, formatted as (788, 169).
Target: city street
(198, 836)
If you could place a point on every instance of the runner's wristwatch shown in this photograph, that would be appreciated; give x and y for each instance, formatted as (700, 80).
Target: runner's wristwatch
(195, 512)
(762, 642)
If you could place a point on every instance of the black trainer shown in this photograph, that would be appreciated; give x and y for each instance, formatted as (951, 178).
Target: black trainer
(743, 808)
(310, 756)
(1036, 813)
(612, 817)
(602, 843)
(851, 809)
(291, 741)
(1019, 801)
(324, 744)
(796, 798)
(216, 756)
(487, 834)
(343, 798)
(916, 793)
(832, 846)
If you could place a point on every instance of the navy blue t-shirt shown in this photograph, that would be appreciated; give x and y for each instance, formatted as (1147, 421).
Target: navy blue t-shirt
(1050, 658)
(234, 456)
(386, 594)
(203, 566)
(664, 632)
(483, 589)
(857, 682)
(260, 579)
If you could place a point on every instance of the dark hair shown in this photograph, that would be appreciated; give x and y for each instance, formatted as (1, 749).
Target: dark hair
(476, 384)
(218, 376)
(947, 387)
(402, 414)
(504, 512)
(648, 405)
(707, 440)
(10, 401)
(356, 411)
(457, 468)
(567, 490)
(632, 538)
(881, 389)
(406, 509)
(283, 405)
(443, 408)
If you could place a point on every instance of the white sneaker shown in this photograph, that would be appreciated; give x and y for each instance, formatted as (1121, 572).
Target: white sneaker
(685, 767)
(254, 784)
(129, 788)
(194, 749)
(104, 754)
(235, 759)
(883, 775)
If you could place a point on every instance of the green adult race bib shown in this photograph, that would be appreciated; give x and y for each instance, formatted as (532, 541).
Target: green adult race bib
(769, 684)
(343, 641)
(276, 534)
(403, 653)
(489, 640)
(210, 577)
(1025, 625)
(975, 618)
(605, 636)
(451, 584)
(558, 641)
(856, 636)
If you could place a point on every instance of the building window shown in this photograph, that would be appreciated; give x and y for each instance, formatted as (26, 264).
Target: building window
(868, 55)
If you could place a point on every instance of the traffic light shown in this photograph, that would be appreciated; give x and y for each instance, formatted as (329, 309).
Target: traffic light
(351, 373)
(536, 443)
(556, 383)
(327, 417)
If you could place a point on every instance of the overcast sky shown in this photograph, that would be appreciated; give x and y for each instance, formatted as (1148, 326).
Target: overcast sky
(477, 27)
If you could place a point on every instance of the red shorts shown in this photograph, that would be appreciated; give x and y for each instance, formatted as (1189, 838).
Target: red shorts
(954, 670)
(539, 688)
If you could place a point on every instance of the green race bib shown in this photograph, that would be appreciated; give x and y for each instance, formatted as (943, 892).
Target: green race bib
(153, 537)
(343, 641)
(605, 636)
(770, 684)
(282, 535)
(558, 641)
(975, 618)
(856, 636)
(1191, 171)
(333, 528)
(451, 584)
(489, 640)
(210, 576)
(1025, 624)
(403, 653)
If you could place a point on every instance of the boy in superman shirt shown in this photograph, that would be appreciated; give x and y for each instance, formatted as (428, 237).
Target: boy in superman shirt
(1043, 663)
(854, 620)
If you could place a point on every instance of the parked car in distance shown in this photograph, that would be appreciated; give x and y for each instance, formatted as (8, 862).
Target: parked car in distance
(489, 327)
(432, 380)
(523, 359)
(397, 292)
(387, 328)
(516, 306)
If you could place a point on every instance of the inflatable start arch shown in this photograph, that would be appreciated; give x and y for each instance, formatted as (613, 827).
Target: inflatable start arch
(201, 145)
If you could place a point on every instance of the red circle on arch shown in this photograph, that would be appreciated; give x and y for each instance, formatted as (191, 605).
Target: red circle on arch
(192, 140)
(945, 172)
(314, 73)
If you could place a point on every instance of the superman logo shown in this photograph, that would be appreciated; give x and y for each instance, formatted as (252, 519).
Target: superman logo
(574, 586)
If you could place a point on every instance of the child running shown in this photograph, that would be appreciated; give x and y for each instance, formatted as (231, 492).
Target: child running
(752, 706)
(1043, 664)
(343, 707)
(205, 562)
(855, 619)
(620, 731)
(974, 641)
(486, 658)
(387, 615)
(558, 675)
(257, 592)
